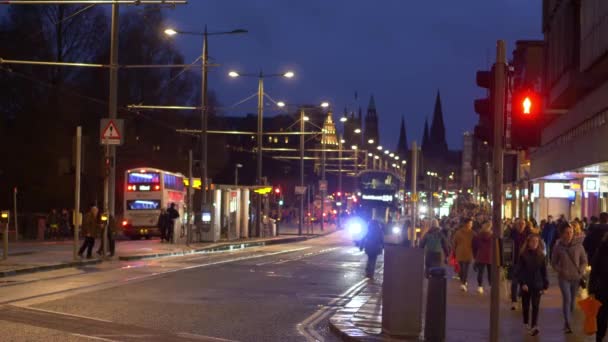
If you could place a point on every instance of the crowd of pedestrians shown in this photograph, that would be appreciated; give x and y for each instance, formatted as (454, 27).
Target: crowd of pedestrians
(465, 240)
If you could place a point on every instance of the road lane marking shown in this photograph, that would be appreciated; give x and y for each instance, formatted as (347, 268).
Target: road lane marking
(203, 337)
(59, 313)
(40, 298)
(306, 327)
(94, 338)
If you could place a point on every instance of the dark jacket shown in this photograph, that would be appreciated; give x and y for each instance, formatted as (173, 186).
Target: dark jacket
(569, 260)
(482, 247)
(89, 225)
(598, 282)
(172, 214)
(531, 270)
(594, 238)
(548, 234)
(373, 241)
(518, 241)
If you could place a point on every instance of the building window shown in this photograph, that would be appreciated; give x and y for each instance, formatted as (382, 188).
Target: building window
(269, 139)
(286, 140)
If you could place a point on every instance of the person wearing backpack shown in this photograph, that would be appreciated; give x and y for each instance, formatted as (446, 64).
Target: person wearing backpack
(435, 247)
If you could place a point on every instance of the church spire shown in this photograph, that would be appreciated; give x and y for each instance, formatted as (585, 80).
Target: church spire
(402, 145)
(372, 105)
(425, 135)
(437, 133)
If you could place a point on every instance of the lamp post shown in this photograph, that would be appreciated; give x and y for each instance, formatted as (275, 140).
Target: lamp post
(236, 173)
(204, 100)
(260, 143)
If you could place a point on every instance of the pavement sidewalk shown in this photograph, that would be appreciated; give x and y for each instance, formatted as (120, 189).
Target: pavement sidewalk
(467, 315)
(34, 256)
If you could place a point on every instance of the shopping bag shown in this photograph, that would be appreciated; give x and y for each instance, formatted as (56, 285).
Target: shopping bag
(590, 307)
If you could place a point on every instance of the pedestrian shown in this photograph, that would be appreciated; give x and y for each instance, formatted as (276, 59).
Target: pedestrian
(531, 274)
(463, 250)
(52, 222)
(89, 231)
(548, 234)
(64, 223)
(598, 285)
(172, 215)
(595, 235)
(373, 244)
(110, 234)
(482, 250)
(162, 223)
(569, 261)
(435, 246)
(518, 235)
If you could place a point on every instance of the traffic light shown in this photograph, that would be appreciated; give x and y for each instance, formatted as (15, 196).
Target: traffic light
(526, 118)
(277, 191)
(484, 130)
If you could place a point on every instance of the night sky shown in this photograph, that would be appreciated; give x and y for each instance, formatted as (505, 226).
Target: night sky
(400, 51)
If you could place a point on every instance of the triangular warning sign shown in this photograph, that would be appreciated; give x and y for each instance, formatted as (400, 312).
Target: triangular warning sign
(111, 132)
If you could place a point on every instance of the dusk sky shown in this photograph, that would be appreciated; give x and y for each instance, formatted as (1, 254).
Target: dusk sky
(400, 51)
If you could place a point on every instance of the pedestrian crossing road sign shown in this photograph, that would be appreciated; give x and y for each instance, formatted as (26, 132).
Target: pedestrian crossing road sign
(111, 131)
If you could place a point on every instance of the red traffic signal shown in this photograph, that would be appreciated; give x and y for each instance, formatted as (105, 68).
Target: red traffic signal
(277, 190)
(526, 119)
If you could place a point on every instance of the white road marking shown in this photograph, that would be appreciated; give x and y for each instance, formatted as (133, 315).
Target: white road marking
(94, 338)
(60, 313)
(114, 283)
(307, 327)
(202, 337)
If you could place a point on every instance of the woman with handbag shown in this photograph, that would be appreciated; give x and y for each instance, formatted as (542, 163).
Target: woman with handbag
(569, 260)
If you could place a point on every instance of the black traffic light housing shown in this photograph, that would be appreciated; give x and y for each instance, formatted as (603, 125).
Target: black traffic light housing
(526, 118)
(484, 130)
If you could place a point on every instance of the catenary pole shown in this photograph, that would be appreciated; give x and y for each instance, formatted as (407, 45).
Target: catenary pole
(499, 107)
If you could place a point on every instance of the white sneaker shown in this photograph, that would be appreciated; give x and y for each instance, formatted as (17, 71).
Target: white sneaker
(534, 331)
(463, 287)
(480, 290)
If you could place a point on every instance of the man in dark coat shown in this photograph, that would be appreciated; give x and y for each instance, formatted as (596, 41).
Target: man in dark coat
(373, 243)
(172, 215)
(595, 235)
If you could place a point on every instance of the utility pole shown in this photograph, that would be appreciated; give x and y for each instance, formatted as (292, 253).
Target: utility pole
(323, 180)
(302, 128)
(258, 216)
(112, 111)
(412, 228)
(340, 196)
(77, 189)
(204, 121)
(499, 107)
(15, 213)
(190, 214)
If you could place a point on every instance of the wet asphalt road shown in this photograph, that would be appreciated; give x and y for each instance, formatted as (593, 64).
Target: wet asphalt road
(274, 293)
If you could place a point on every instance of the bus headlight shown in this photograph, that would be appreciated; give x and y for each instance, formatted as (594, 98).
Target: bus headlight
(354, 228)
(396, 230)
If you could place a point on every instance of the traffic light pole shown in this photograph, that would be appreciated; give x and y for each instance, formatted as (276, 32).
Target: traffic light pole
(301, 221)
(498, 111)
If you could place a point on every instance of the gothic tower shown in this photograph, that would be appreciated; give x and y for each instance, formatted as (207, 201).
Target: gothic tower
(425, 137)
(371, 123)
(437, 133)
(402, 145)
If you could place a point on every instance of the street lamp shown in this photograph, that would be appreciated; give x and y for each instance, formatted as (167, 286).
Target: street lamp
(358, 130)
(325, 104)
(379, 148)
(343, 118)
(281, 104)
(260, 76)
(236, 173)
(204, 100)
(370, 141)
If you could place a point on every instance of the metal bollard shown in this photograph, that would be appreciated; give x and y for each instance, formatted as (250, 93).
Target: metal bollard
(434, 325)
